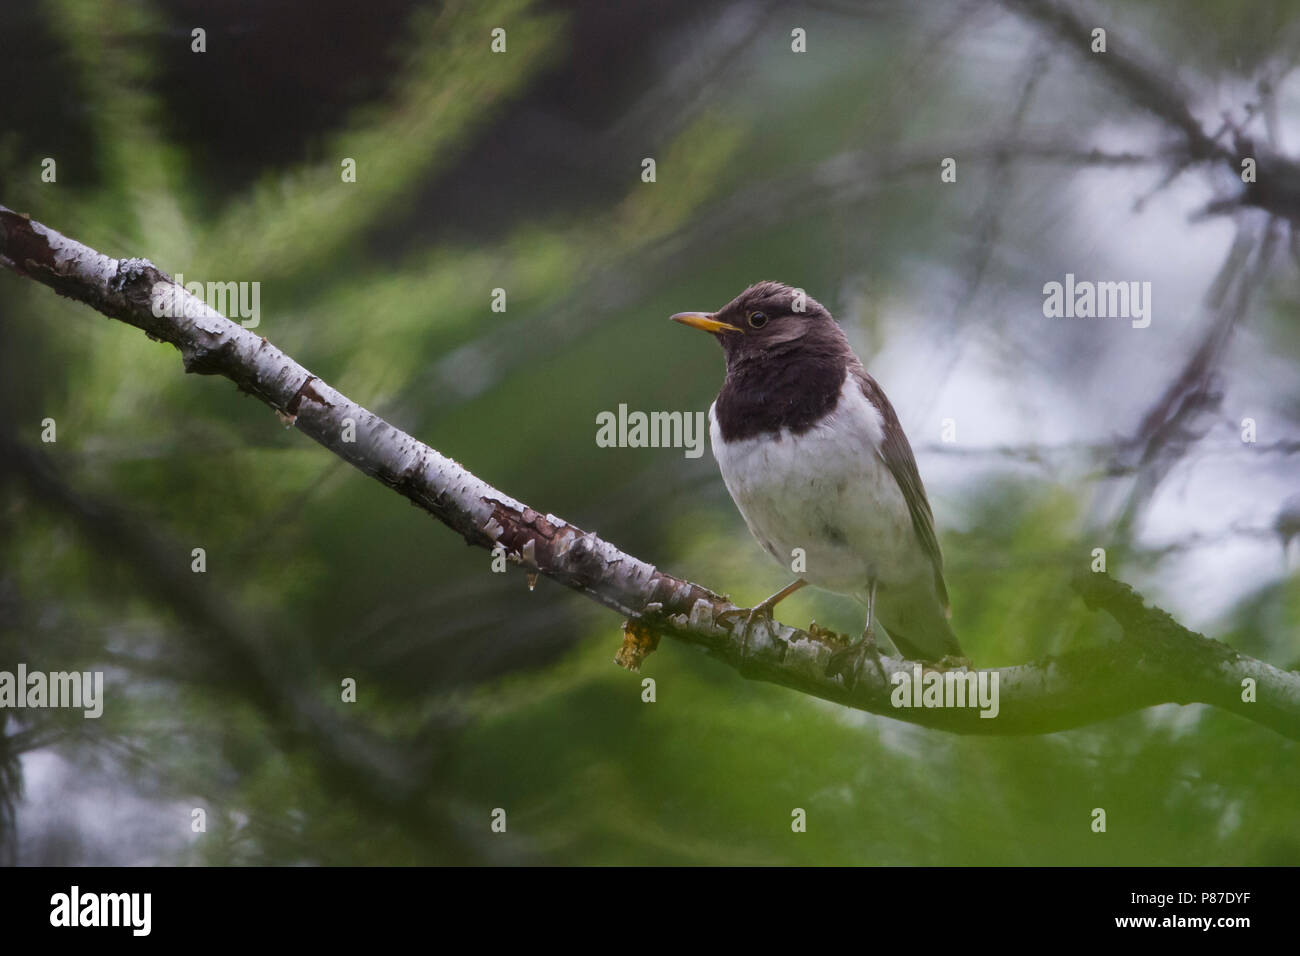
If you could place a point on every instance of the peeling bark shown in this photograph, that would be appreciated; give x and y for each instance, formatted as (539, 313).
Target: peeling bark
(1157, 661)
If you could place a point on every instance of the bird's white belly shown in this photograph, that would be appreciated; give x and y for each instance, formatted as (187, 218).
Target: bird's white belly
(826, 491)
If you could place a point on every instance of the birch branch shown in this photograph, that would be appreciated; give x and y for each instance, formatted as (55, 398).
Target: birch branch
(1157, 661)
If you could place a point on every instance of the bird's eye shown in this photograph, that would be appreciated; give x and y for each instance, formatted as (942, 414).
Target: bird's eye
(757, 320)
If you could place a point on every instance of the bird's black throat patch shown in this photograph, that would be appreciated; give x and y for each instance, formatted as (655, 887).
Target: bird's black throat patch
(762, 398)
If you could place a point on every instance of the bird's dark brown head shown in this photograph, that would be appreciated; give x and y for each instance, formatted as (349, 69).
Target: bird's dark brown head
(769, 322)
(786, 360)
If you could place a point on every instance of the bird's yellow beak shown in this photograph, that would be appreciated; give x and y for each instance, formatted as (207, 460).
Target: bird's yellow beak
(705, 322)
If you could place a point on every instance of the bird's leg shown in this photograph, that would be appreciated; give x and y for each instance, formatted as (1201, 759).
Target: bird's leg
(765, 606)
(869, 631)
(848, 661)
(764, 609)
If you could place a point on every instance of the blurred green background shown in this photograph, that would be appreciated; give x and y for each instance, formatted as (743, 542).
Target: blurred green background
(522, 171)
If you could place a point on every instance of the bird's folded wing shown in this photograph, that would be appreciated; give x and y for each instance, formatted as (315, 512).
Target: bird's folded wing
(898, 458)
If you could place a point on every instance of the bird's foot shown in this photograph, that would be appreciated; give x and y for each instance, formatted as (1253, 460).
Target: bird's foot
(752, 615)
(847, 663)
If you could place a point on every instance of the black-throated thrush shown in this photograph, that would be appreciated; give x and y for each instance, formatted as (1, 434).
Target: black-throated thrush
(814, 457)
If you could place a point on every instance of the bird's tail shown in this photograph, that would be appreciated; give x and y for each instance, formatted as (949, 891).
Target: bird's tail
(917, 623)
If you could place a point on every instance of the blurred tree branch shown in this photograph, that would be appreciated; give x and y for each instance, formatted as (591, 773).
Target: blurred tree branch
(1173, 424)
(1157, 661)
(1147, 85)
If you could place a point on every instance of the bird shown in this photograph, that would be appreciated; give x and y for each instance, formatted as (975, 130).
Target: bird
(813, 455)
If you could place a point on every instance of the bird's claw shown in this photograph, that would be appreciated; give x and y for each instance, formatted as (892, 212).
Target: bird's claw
(847, 662)
(763, 610)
